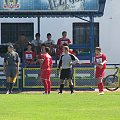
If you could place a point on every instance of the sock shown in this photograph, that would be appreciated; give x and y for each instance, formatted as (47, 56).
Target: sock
(49, 85)
(100, 87)
(10, 88)
(71, 88)
(61, 87)
(7, 85)
(45, 86)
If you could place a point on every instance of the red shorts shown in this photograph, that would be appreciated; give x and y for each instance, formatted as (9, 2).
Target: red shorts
(100, 73)
(45, 74)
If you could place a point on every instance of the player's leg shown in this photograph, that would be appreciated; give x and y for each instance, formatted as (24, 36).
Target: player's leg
(48, 81)
(8, 84)
(13, 78)
(99, 77)
(71, 85)
(49, 86)
(100, 85)
(8, 78)
(61, 86)
(62, 78)
(69, 78)
(43, 78)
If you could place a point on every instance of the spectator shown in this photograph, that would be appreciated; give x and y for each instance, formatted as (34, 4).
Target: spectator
(50, 43)
(61, 52)
(29, 55)
(61, 41)
(21, 45)
(37, 43)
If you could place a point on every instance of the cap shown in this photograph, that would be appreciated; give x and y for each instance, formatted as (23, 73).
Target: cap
(10, 46)
(29, 44)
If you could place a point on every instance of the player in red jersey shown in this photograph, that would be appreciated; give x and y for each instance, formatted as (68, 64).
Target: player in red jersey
(46, 66)
(29, 55)
(100, 62)
(61, 41)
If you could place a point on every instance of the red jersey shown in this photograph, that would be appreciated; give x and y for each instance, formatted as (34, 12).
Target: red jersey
(100, 59)
(29, 56)
(62, 41)
(47, 63)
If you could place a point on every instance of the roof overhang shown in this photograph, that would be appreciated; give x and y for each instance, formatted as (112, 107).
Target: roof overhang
(53, 13)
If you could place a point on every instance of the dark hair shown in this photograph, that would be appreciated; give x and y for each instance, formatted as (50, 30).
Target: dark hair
(43, 45)
(37, 34)
(66, 48)
(65, 44)
(47, 49)
(49, 34)
(64, 32)
(98, 49)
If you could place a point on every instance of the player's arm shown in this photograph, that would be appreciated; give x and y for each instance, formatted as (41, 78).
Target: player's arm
(4, 64)
(60, 62)
(74, 59)
(18, 64)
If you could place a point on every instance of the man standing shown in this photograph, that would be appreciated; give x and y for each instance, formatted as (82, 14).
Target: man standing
(45, 71)
(66, 62)
(50, 43)
(100, 62)
(37, 43)
(11, 68)
(61, 41)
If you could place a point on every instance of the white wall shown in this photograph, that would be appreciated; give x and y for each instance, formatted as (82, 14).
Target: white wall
(109, 29)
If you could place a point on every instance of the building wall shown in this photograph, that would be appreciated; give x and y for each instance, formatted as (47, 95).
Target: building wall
(109, 28)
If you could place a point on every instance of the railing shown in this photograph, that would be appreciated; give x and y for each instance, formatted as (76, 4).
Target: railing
(83, 77)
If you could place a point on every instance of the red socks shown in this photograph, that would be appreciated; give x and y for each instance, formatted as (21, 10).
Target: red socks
(47, 86)
(100, 87)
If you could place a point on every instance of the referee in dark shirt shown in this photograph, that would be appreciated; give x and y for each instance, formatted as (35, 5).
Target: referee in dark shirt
(11, 68)
(66, 61)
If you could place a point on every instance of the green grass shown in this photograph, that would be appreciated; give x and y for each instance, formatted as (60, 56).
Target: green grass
(79, 106)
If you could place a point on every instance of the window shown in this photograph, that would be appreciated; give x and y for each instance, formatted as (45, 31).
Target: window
(81, 33)
(11, 31)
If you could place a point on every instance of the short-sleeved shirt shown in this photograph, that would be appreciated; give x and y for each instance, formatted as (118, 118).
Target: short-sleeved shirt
(47, 63)
(35, 42)
(49, 42)
(66, 59)
(62, 41)
(100, 59)
(29, 55)
(11, 58)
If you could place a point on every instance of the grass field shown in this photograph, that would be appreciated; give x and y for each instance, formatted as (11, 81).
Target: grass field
(79, 106)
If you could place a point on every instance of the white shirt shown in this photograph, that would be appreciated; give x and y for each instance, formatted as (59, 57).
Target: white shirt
(35, 42)
(49, 42)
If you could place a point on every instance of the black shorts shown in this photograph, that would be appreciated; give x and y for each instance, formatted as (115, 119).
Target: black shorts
(11, 71)
(66, 74)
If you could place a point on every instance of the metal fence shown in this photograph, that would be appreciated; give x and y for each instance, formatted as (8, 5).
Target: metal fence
(82, 78)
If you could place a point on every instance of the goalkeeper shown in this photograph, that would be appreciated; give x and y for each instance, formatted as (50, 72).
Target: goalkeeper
(66, 61)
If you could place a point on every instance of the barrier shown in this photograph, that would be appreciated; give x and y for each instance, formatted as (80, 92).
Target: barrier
(82, 78)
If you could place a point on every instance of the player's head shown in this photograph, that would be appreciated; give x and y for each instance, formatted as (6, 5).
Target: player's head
(29, 46)
(47, 49)
(10, 48)
(37, 35)
(49, 36)
(64, 34)
(43, 46)
(65, 49)
(97, 50)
